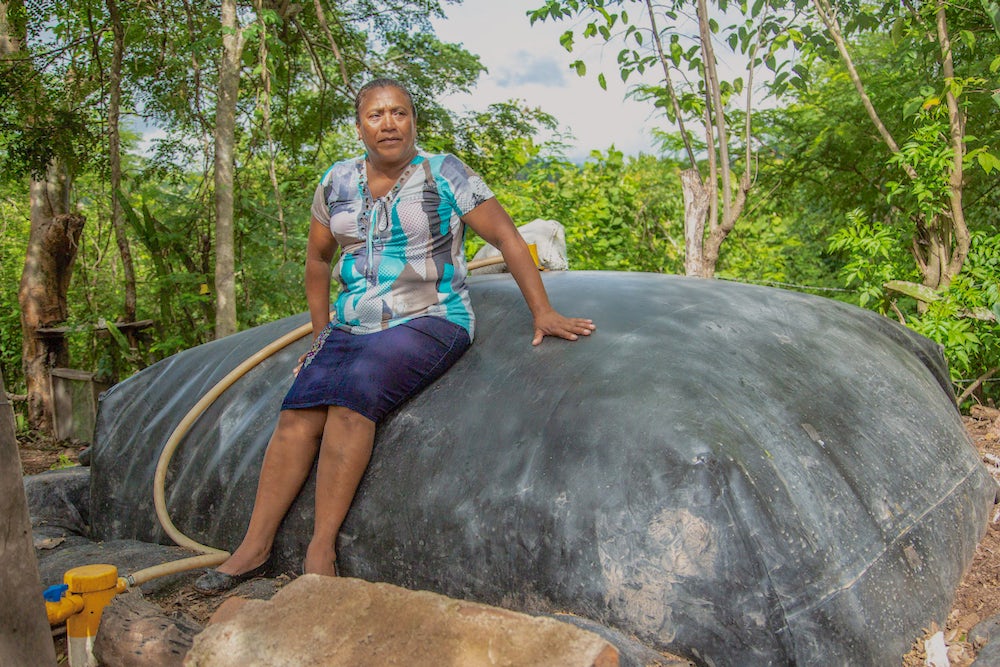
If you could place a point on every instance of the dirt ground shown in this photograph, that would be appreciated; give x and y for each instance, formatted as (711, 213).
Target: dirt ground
(978, 595)
(977, 598)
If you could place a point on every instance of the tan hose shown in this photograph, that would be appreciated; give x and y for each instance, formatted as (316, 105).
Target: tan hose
(210, 555)
(175, 566)
(490, 261)
(479, 263)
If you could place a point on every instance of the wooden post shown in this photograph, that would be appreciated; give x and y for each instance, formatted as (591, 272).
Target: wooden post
(25, 638)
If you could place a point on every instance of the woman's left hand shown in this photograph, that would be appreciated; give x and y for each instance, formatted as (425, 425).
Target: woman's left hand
(552, 323)
(302, 360)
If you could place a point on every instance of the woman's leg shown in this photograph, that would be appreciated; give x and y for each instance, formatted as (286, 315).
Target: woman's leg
(343, 457)
(287, 462)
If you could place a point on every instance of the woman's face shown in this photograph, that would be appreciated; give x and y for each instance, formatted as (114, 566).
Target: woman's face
(386, 126)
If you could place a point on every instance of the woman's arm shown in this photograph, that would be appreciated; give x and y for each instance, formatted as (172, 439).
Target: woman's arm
(319, 254)
(492, 222)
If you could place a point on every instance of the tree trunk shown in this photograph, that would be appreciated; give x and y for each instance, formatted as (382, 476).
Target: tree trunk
(48, 265)
(48, 262)
(720, 232)
(10, 35)
(956, 179)
(225, 139)
(697, 199)
(115, 157)
(26, 638)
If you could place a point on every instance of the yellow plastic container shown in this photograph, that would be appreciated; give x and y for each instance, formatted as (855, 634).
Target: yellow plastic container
(91, 589)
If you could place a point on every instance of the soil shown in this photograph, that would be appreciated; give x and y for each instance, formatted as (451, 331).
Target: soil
(977, 597)
(40, 453)
(978, 594)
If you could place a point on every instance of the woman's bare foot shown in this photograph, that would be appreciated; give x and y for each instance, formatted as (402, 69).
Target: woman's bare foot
(320, 559)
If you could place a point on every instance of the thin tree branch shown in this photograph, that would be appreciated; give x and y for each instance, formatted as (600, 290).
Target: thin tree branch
(115, 158)
(829, 18)
(265, 104)
(899, 313)
(670, 86)
(317, 63)
(977, 383)
(206, 154)
(714, 93)
(713, 168)
(321, 16)
(751, 66)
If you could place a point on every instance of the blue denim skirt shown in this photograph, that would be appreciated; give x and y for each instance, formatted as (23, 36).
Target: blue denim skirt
(372, 374)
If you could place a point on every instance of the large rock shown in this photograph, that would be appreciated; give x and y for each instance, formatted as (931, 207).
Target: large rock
(59, 501)
(738, 474)
(337, 622)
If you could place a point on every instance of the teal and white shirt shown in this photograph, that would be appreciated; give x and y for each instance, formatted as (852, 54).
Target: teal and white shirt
(402, 255)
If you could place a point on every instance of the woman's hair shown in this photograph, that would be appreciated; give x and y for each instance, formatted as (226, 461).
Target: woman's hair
(381, 82)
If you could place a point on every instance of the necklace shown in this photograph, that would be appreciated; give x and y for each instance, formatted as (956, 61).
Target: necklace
(376, 213)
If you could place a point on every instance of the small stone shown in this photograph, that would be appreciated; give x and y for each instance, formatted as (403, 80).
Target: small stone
(984, 631)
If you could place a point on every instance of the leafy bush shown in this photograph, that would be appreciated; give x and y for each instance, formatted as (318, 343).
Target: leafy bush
(874, 256)
(964, 318)
(961, 318)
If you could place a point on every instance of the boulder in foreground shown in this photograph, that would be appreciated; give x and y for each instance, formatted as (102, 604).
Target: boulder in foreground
(340, 622)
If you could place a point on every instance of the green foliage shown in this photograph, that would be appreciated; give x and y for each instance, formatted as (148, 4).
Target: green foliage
(764, 248)
(619, 213)
(820, 164)
(964, 319)
(961, 318)
(874, 257)
(929, 155)
(63, 462)
(47, 115)
(760, 35)
(499, 142)
(13, 244)
(170, 81)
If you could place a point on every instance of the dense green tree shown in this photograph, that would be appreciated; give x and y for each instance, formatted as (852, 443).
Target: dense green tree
(952, 46)
(833, 208)
(74, 69)
(683, 39)
(886, 198)
(43, 98)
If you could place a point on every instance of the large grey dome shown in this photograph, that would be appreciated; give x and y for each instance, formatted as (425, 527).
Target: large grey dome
(738, 474)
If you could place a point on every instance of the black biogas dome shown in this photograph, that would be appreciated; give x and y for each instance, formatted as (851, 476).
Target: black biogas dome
(738, 474)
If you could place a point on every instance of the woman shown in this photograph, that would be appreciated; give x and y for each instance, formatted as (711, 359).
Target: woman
(402, 318)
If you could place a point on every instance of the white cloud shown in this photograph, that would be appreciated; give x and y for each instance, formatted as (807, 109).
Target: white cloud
(530, 69)
(527, 62)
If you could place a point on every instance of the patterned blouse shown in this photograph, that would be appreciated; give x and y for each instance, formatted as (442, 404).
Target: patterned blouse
(402, 254)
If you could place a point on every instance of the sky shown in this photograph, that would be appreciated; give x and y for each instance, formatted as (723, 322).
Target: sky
(527, 62)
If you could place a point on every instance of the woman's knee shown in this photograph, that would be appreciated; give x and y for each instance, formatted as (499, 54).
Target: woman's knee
(301, 423)
(347, 420)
